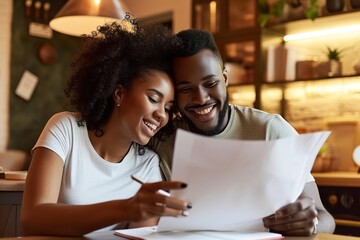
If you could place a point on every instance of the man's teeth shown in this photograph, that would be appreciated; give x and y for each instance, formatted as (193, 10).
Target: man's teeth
(205, 111)
(151, 126)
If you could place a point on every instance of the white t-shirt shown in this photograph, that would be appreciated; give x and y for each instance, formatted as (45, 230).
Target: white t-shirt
(88, 178)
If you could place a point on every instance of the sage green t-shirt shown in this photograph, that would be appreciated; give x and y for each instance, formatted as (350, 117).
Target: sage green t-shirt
(244, 124)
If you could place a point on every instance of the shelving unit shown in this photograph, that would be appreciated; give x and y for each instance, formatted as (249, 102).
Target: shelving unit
(244, 51)
(307, 101)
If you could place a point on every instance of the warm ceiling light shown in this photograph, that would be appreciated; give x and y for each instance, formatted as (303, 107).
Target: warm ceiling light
(320, 33)
(79, 17)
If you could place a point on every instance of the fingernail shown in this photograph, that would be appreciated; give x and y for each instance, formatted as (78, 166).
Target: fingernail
(185, 213)
(183, 185)
(189, 205)
(278, 215)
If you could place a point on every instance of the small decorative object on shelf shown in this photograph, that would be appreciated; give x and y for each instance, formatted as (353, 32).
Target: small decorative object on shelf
(357, 67)
(334, 6)
(355, 4)
(324, 159)
(305, 69)
(334, 59)
(332, 67)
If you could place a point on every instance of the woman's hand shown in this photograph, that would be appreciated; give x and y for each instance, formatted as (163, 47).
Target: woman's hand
(149, 203)
(297, 219)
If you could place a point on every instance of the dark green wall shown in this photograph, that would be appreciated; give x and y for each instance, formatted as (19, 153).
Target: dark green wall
(27, 118)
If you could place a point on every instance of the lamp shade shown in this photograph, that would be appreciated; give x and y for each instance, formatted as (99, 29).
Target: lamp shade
(79, 17)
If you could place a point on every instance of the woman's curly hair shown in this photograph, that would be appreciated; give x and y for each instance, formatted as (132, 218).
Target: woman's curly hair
(115, 55)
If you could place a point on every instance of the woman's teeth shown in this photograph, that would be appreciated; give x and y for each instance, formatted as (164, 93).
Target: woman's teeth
(151, 126)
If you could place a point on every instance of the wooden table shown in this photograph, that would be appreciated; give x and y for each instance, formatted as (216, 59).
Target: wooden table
(111, 236)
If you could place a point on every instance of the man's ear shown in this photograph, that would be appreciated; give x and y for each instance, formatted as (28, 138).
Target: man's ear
(225, 77)
(118, 95)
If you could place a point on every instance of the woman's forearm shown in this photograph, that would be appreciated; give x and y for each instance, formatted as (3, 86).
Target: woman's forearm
(73, 220)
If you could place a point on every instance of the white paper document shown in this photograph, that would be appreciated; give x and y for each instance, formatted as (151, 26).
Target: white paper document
(151, 233)
(233, 184)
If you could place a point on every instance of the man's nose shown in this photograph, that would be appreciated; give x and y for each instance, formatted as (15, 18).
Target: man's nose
(200, 96)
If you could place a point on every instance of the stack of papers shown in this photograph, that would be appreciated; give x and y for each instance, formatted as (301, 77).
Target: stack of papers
(151, 233)
(234, 184)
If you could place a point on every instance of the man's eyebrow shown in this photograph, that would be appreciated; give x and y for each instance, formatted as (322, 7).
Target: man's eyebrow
(208, 77)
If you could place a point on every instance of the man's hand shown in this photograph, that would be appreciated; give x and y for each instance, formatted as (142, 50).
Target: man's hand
(295, 219)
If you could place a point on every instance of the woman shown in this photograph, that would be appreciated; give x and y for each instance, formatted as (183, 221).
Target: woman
(79, 180)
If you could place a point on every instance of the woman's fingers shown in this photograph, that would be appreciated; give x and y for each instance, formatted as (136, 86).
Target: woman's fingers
(165, 185)
(154, 200)
(165, 210)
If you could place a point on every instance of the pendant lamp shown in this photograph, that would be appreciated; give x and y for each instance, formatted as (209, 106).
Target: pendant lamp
(79, 17)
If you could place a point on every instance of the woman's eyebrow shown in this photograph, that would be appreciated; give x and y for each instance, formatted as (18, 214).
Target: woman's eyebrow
(160, 94)
(156, 91)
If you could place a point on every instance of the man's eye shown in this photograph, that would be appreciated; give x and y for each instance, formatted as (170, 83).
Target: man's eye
(211, 84)
(153, 99)
(184, 89)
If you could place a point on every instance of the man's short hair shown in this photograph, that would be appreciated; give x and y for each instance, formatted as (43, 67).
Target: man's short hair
(191, 41)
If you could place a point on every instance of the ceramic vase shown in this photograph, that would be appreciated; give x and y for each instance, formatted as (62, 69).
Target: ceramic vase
(357, 67)
(355, 4)
(332, 68)
(335, 68)
(333, 6)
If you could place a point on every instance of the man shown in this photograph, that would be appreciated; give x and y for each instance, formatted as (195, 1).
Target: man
(203, 101)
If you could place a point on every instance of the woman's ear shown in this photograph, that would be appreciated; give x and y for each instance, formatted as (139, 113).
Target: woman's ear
(118, 95)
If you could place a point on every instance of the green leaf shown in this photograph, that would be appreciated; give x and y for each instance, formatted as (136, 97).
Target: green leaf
(263, 19)
(313, 11)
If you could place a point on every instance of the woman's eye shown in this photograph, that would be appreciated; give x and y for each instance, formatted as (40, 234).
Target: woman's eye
(153, 99)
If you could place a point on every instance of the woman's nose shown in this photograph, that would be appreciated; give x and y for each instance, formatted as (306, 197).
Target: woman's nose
(160, 114)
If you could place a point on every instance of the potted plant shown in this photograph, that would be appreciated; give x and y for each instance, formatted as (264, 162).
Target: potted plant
(332, 67)
(275, 9)
(334, 55)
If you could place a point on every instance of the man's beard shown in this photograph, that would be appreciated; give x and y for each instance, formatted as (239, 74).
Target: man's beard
(217, 129)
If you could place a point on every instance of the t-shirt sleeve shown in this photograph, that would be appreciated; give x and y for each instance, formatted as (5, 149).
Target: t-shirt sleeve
(155, 174)
(56, 135)
(277, 128)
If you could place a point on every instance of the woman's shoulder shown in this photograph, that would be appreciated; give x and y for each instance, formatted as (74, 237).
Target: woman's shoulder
(63, 117)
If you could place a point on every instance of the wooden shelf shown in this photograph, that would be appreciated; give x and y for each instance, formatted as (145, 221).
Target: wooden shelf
(325, 21)
(337, 179)
(285, 82)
